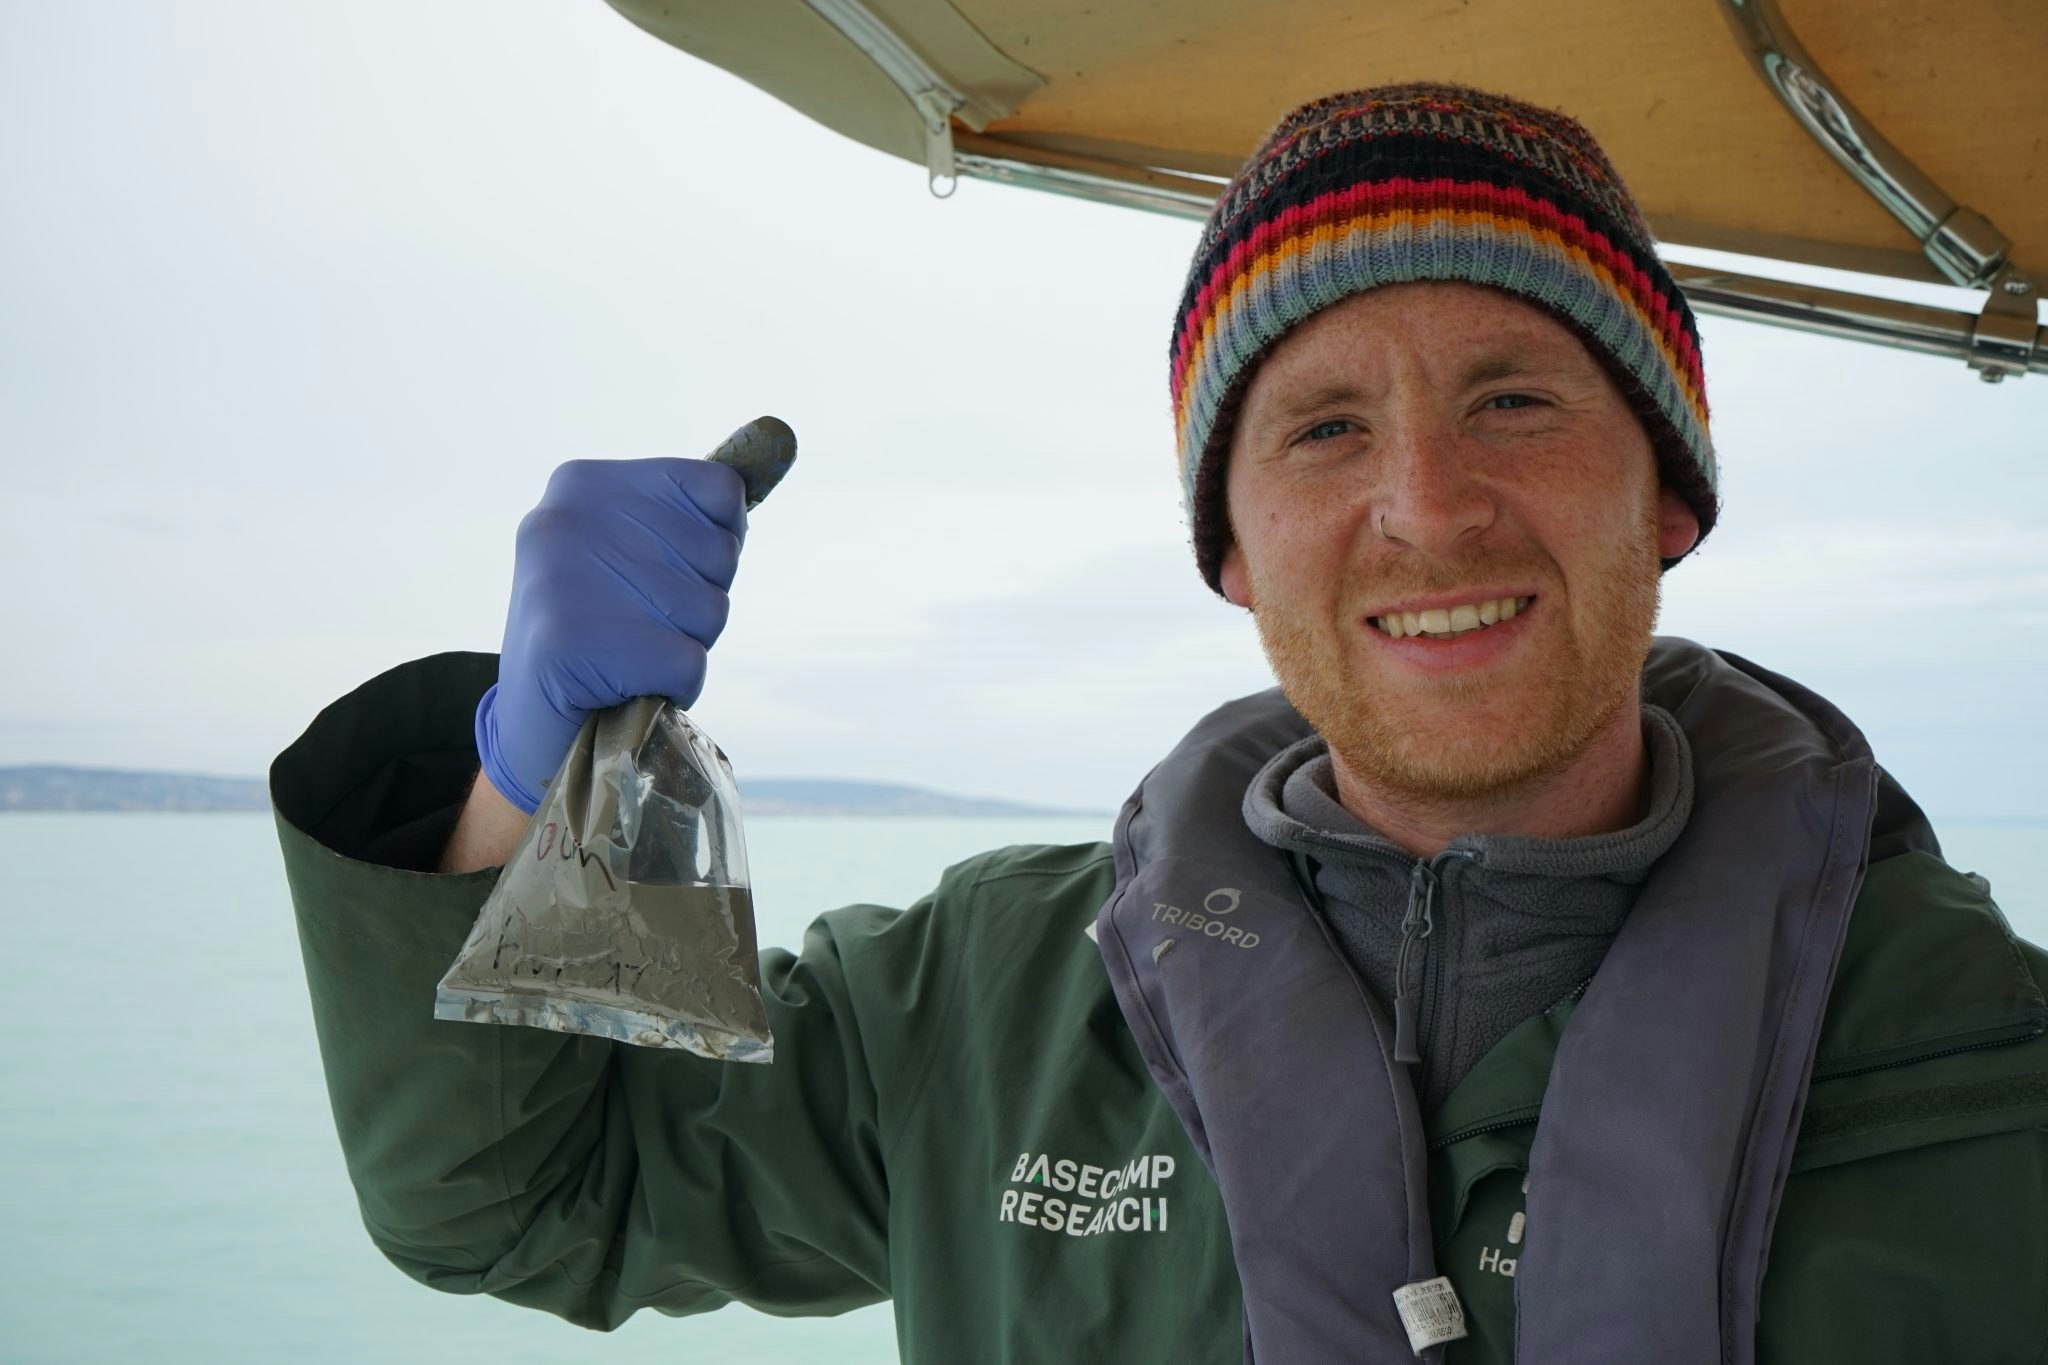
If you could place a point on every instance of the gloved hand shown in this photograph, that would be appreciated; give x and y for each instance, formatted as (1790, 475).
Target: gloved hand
(618, 588)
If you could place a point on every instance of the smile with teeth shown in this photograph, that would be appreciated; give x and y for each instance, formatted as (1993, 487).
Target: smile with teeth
(1448, 623)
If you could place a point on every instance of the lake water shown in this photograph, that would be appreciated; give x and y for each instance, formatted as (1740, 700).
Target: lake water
(175, 1191)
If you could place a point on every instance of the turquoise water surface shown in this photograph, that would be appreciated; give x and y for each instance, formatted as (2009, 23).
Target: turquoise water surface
(175, 1191)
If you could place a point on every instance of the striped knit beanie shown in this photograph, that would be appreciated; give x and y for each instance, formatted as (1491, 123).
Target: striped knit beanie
(1429, 182)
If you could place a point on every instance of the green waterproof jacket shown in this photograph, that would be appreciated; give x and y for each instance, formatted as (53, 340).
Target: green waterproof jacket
(958, 1120)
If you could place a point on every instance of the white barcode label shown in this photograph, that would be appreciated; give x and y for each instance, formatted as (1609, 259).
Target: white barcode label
(1430, 1313)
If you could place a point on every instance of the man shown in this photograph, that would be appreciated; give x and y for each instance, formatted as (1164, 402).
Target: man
(1495, 994)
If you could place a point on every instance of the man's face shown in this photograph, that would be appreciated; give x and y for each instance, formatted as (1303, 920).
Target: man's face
(1450, 452)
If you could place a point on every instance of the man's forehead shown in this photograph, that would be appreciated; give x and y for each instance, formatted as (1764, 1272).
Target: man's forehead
(1363, 361)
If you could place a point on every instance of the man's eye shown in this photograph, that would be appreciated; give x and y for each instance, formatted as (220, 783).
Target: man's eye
(1326, 431)
(1509, 402)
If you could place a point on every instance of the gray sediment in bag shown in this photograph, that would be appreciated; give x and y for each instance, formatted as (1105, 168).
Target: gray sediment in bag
(625, 911)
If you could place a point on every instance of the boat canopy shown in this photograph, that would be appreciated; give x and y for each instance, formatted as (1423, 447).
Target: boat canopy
(1897, 138)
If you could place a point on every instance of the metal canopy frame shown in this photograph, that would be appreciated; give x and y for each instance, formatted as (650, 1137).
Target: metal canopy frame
(2004, 338)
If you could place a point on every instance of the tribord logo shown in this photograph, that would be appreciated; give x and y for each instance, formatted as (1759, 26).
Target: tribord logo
(1209, 921)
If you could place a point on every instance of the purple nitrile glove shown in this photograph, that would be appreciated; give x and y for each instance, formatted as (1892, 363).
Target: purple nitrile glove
(618, 588)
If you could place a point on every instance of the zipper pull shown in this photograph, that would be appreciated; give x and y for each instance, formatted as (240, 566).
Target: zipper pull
(935, 98)
(1416, 922)
(1406, 1007)
(935, 107)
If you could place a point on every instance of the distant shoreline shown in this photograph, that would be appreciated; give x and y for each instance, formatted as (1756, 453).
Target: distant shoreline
(62, 789)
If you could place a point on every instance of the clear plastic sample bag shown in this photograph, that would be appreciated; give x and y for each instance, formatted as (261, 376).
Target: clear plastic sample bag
(625, 912)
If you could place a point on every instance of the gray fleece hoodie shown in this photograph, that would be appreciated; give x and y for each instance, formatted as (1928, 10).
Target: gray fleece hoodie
(1499, 927)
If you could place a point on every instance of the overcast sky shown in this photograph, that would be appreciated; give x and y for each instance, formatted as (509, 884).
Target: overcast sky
(300, 304)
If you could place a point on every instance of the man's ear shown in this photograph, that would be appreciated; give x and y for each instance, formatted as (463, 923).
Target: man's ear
(1236, 581)
(1678, 526)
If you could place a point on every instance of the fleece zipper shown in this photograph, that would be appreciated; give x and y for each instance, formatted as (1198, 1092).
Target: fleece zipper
(1418, 922)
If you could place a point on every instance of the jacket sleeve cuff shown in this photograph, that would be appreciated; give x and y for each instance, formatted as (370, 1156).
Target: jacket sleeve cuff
(381, 775)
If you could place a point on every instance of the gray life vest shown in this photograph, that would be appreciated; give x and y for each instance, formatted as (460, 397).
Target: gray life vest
(1674, 1098)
